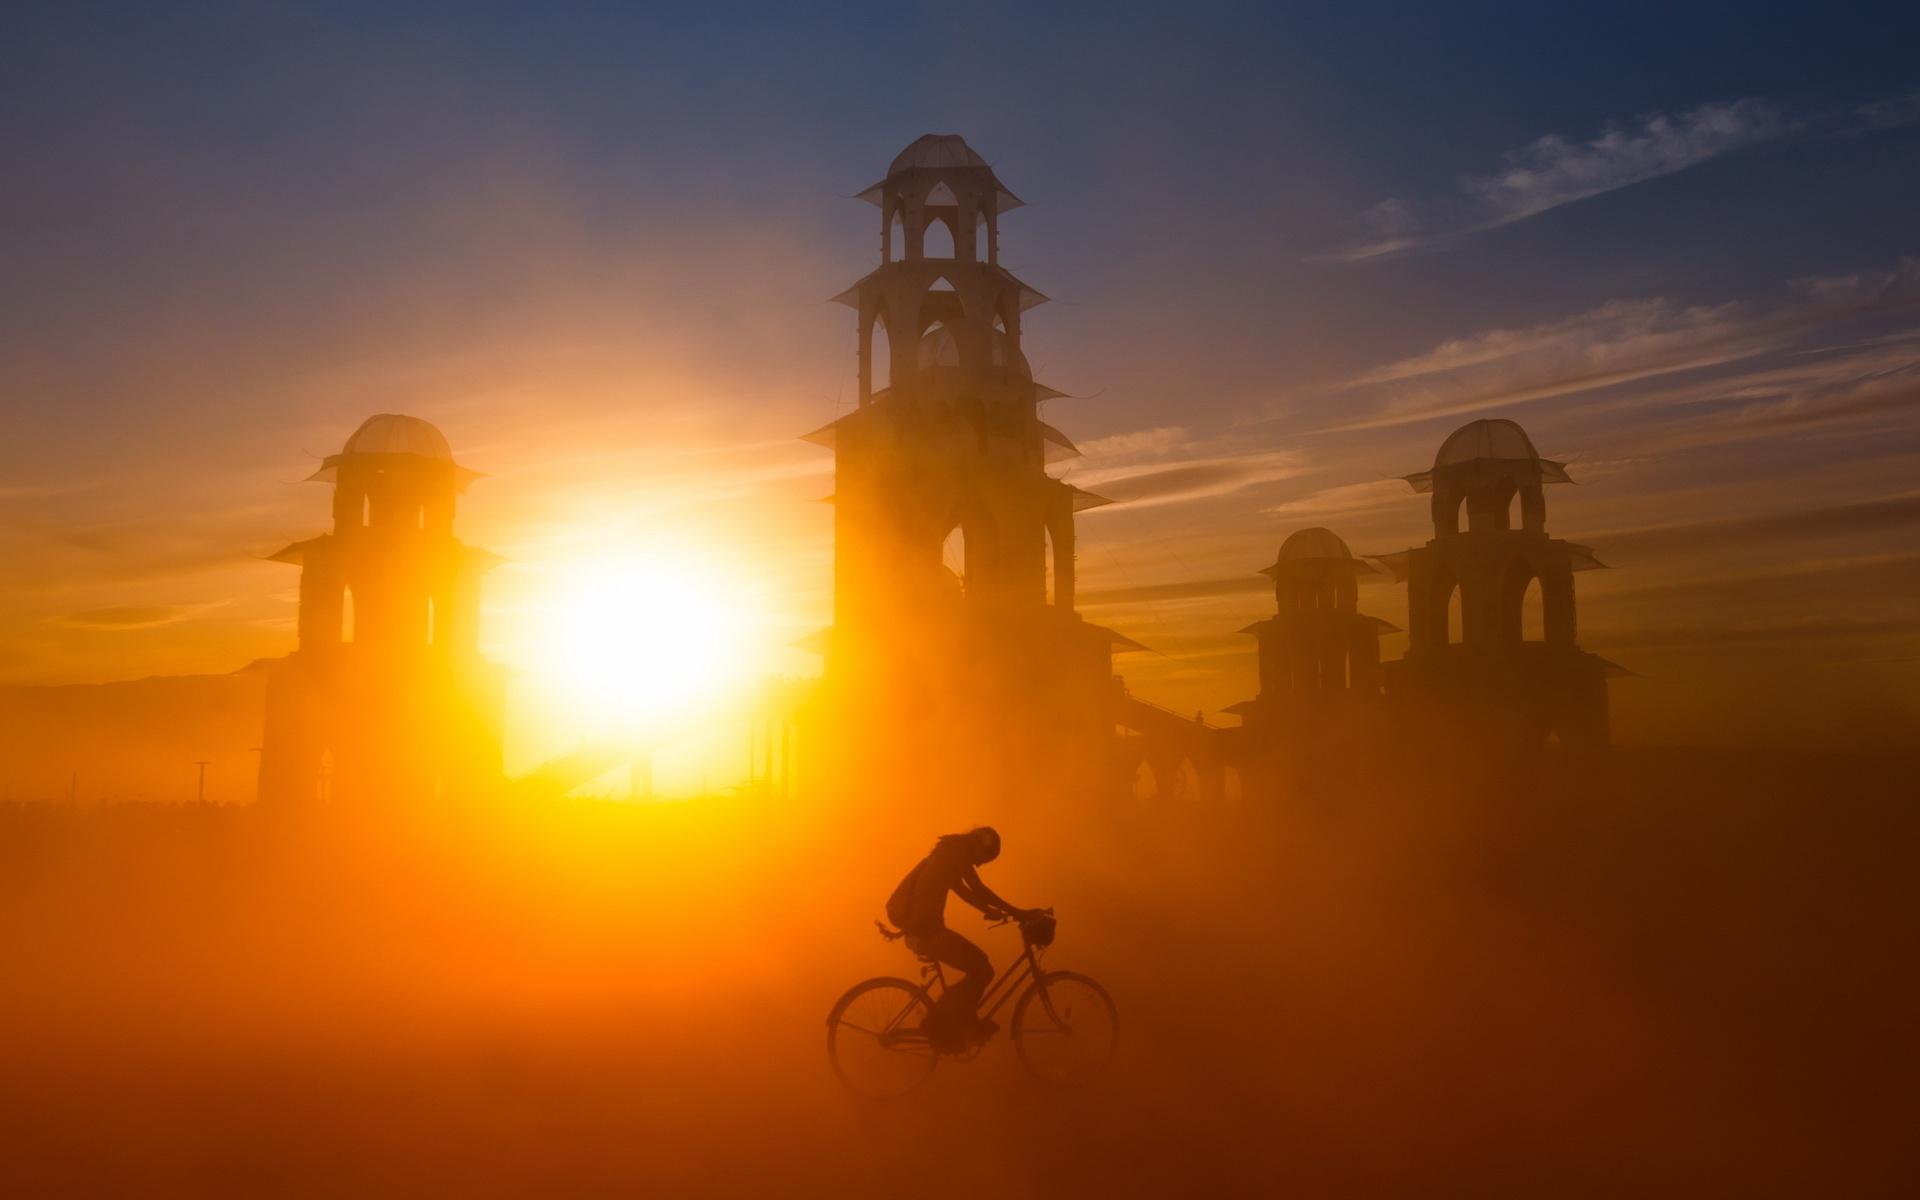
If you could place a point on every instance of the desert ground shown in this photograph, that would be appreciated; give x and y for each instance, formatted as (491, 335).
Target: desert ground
(1693, 975)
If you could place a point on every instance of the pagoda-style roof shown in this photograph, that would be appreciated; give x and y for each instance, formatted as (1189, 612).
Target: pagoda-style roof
(1491, 443)
(1030, 296)
(1059, 446)
(394, 436)
(828, 435)
(295, 554)
(1084, 500)
(940, 152)
(1580, 558)
(1120, 642)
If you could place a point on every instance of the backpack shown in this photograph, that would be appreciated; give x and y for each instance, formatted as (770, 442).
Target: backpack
(900, 904)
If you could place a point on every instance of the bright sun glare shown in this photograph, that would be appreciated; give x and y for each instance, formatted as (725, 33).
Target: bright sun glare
(634, 645)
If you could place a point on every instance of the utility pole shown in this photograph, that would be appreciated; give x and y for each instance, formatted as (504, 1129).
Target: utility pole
(200, 796)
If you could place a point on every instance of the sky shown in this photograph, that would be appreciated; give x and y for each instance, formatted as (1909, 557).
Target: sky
(1288, 251)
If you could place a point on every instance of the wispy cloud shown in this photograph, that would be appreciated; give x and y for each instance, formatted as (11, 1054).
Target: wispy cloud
(1182, 589)
(1170, 464)
(1343, 500)
(1895, 390)
(1885, 514)
(1788, 601)
(1557, 170)
(1890, 113)
(1617, 342)
(1805, 633)
(129, 616)
(1156, 442)
(1195, 480)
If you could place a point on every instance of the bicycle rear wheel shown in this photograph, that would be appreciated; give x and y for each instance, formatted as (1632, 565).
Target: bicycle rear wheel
(1065, 1028)
(875, 1041)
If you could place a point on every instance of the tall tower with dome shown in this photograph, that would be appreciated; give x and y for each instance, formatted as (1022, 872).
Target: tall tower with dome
(386, 695)
(953, 547)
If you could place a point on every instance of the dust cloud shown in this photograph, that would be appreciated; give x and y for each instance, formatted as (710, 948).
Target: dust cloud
(1689, 976)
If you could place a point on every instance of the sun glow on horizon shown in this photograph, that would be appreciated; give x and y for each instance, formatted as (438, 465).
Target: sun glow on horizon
(634, 645)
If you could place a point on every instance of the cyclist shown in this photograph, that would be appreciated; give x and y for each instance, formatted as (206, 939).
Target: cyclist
(919, 907)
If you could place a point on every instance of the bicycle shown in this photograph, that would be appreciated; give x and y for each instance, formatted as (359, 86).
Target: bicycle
(1064, 1025)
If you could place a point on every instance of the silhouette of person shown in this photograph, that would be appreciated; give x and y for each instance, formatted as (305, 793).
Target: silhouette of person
(919, 907)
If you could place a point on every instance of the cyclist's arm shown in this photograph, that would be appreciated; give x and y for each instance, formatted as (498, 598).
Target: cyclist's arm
(975, 892)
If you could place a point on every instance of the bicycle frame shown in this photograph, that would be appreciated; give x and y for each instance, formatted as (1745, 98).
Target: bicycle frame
(1001, 990)
(905, 1030)
(1024, 969)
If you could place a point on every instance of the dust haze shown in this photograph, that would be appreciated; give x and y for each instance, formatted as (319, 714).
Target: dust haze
(1690, 969)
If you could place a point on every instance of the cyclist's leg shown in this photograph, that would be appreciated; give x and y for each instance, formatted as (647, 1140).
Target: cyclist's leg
(955, 1010)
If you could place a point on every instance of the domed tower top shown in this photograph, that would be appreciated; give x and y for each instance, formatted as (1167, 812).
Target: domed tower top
(386, 437)
(1316, 570)
(397, 472)
(1312, 545)
(397, 433)
(936, 150)
(948, 155)
(1484, 464)
(939, 179)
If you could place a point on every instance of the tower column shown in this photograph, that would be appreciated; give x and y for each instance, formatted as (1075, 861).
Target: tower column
(1533, 508)
(1557, 607)
(1060, 532)
(1479, 610)
(322, 597)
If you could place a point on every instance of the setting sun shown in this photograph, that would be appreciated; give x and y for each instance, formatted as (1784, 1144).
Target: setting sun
(632, 645)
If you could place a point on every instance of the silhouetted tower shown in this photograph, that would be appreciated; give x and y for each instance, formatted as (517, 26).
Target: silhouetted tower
(387, 692)
(1319, 669)
(946, 442)
(1468, 596)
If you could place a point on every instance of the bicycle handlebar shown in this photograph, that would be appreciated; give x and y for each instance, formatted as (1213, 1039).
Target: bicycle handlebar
(1009, 918)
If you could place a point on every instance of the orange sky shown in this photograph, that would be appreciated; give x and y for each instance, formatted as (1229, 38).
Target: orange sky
(624, 325)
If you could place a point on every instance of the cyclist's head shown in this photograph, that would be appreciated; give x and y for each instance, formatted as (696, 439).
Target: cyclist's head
(984, 843)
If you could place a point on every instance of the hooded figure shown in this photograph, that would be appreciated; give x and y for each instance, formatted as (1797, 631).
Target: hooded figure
(919, 907)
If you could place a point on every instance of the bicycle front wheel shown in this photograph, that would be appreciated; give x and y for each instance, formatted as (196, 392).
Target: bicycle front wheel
(876, 1041)
(1065, 1028)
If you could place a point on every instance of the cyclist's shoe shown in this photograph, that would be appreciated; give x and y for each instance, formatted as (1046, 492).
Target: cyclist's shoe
(982, 1030)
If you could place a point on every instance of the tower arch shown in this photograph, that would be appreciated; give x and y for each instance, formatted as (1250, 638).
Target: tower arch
(876, 355)
(937, 238)
(1520, 590)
